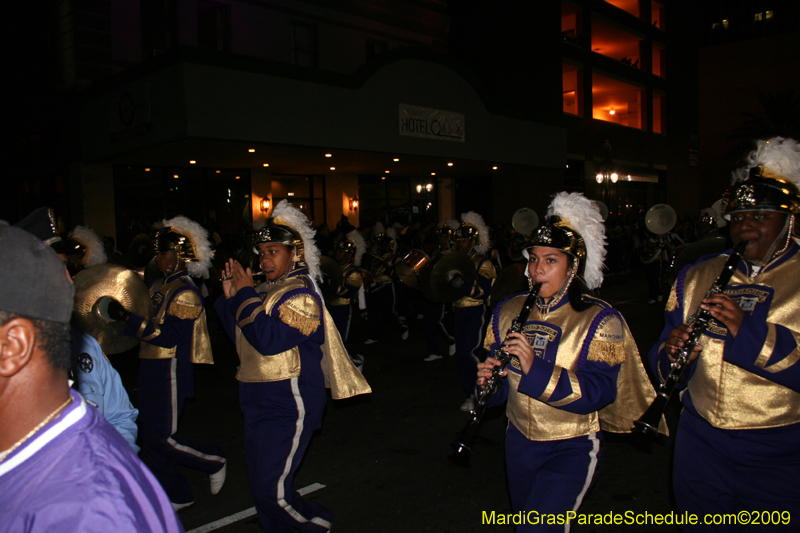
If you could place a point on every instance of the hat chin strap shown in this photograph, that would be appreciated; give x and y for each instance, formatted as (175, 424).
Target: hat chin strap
(788, 230)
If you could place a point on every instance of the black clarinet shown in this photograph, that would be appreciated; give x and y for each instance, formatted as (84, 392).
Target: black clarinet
(463, 445)
(699, 321)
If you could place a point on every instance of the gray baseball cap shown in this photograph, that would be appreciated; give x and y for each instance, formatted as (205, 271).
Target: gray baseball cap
(33, 280)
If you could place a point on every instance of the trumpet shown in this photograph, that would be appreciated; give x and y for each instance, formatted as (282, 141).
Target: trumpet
(648, 423)
(463, 445)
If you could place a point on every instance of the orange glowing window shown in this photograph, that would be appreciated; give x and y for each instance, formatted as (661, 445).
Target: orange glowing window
(631, 6)
(616, 43)
(659, 53)
(570, 23)
(571, 88)
(659, 112)
(617, 101)
(657, 15)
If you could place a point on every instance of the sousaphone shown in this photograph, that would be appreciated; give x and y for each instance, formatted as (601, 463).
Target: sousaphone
(524, 221)
(659, 219)
(95, 287)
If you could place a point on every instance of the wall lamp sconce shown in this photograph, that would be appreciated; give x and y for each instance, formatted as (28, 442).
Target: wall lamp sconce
(354, 204)
(265, 205)
(427, 187)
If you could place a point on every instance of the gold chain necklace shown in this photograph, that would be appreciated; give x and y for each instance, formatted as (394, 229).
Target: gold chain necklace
(50, 417)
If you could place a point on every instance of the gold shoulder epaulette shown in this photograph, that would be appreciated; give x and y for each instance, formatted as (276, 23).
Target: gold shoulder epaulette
(301, 312)
(186, 304)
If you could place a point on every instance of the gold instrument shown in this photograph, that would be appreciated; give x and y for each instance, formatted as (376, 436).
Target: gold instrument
(445, 269)
(95, 287)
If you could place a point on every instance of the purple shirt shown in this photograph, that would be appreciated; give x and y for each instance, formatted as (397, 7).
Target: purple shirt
(77, 473)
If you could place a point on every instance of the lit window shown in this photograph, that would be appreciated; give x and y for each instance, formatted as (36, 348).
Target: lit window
(571, 88)
(758, 17)
(570, 23)
(624, 99)
(658, 113)
(768, 15)
(631, 6)
(657, 15)
(659, 61)
(614, 42)
(725, 23)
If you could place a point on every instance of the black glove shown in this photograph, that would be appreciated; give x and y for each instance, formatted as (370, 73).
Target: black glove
(117, 312)
(457, 281)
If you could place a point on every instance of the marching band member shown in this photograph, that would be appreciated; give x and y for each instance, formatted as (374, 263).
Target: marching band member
(172, 340)
(91, 372)
(381, 297)
(86, 250)
(433, 312)
(472, 238)
(736, 446)
(290, 351)
(574, 371)
(348, 253)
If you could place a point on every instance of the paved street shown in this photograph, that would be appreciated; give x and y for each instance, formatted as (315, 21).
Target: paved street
(384, 458)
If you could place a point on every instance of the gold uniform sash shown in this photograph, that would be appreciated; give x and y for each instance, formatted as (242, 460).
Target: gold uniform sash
(301, 312)
(727, 396)
(186, 305)
(541, 420)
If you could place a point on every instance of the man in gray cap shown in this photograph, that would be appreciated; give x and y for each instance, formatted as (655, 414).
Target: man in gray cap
(62, 466)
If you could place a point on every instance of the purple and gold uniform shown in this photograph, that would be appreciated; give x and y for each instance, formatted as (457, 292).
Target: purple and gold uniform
(741, 417)
(289, 351)
(173, 339)
(470, 316)
(586, 377)
(341, 307)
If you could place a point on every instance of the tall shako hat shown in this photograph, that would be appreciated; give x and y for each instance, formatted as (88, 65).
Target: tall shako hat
(88, 246)
(574, 225)
(355, 244)
(473, 227)
(41, 223)
(190, 240)
(288, 225)
(769, 181)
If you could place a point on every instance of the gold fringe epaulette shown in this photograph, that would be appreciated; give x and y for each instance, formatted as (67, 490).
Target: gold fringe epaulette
(612, 353)
(180, 307)
(301, 312)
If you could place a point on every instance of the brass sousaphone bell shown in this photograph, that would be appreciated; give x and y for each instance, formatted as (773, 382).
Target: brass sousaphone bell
(659, 219)
(95, 287)
(524, 221)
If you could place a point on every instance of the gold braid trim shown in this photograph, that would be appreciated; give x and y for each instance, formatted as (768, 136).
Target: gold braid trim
(612, 353)
(489, 339)
(302, 313)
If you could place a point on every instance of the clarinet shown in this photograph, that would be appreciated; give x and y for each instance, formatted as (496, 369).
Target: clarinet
(699, 321)
(463, 445)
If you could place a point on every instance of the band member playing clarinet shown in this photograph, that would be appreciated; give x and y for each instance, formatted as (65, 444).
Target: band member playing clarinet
(575, 368)
(737, 441)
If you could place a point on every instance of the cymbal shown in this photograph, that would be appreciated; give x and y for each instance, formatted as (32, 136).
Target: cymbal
(331, 270)
(444, 270)
(94, 289)
(510, 280)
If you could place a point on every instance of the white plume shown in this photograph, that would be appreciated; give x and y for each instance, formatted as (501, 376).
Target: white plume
(361, 245)
(198, 237)
(95, 253)
(474, 219)
(286, 214)
(781, 156)
(583, 216)
(378, 229)
(454, 224)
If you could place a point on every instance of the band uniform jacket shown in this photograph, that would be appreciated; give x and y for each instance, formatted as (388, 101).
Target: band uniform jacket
(586, 369)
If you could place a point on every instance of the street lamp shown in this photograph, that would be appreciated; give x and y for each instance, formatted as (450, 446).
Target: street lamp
(606, 172)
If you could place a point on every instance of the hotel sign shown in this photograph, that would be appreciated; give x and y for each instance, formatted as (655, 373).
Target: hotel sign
(429, 123)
